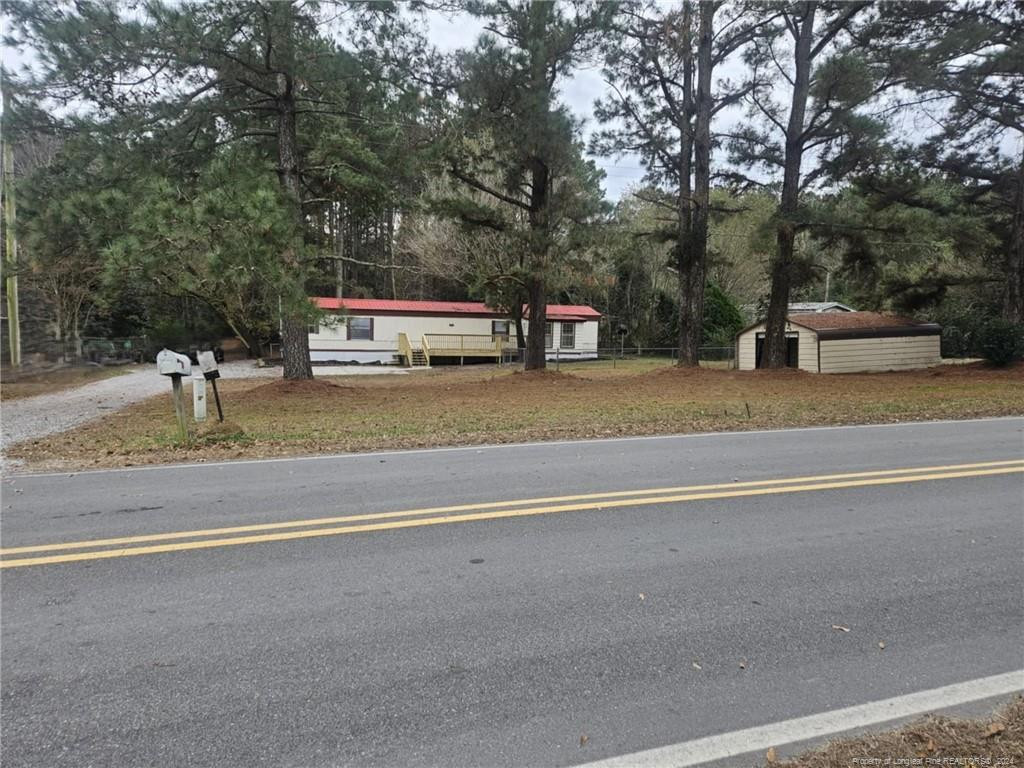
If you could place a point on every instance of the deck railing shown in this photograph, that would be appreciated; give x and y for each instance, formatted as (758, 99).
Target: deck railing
(405, 348)
(462, 345)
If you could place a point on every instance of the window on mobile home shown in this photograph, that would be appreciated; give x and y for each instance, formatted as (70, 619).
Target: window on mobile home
(360, 328)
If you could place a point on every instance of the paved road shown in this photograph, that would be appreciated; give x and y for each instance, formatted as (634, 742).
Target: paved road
(625, 622)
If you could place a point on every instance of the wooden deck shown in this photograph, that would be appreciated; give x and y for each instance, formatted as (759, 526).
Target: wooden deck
(449, 345)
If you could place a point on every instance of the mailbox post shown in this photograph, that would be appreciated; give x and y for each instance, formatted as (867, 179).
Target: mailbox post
(172, 364)
(198, 397)
(208, 365)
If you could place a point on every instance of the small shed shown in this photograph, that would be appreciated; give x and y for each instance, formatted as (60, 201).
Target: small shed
(846, 342)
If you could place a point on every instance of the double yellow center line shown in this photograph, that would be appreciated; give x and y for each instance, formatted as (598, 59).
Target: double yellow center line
(180, 541)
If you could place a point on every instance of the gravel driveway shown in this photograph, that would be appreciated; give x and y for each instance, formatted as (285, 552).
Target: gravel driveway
(33, 417)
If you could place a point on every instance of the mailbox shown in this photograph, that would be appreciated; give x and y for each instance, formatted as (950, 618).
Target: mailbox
(172, 364)
(208, 365)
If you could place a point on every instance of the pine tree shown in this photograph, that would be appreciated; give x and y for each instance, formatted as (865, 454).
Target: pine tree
(660, 63)
(522, 149)
(966, 62)
(180, 80)
(819, 136)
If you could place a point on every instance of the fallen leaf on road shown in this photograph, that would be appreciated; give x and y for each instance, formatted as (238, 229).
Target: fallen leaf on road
(881, 645)
(994, 729)
(583, 739)
(770, 756)
(743, 665)
(641, 595)
(697, 666)
(840, 628)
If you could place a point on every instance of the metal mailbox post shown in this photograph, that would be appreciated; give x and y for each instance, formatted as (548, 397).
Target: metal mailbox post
(172, 364)
(208, 365)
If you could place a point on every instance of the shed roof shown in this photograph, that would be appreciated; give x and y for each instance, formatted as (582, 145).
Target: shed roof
(576, 312)
(857, 325)
(860, 325)
(823, 321)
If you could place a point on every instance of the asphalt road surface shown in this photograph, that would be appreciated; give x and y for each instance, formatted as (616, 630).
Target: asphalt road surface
(548, 604)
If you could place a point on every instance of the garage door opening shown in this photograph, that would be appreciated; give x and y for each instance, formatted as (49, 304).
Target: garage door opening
(792, 350)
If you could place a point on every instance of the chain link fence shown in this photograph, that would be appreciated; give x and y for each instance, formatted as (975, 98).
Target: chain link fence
(711, 357)
(44, 354)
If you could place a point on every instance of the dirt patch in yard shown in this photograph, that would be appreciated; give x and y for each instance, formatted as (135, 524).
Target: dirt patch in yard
(999, 738)
(476, 405)
(283, 388)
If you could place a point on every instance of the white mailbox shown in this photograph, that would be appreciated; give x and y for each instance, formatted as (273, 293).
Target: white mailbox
(208, 365)
(172, 364)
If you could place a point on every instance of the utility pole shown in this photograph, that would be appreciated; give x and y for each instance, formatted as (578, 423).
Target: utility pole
(11, 258)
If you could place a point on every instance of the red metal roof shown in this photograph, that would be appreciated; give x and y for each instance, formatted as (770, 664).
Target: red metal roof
(408, 307)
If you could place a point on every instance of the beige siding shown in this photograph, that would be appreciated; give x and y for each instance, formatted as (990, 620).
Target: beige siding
(889, 353)
(808, 348)
(746, 347)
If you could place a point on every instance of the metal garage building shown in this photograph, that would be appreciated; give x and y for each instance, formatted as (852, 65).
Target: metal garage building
(846, 342)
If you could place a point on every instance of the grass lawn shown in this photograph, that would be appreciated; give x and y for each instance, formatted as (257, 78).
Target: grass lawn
(473, 405)
(14, 388)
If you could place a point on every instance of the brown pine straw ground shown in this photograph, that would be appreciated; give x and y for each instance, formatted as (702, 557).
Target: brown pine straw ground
(995, 741)
(485, 404)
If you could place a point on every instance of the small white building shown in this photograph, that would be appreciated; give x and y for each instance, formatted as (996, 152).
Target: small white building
(415, 332)
(847, 342)
(818, 306)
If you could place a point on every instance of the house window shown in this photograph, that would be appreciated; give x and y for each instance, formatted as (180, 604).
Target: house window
(499, 329)
(360, 328)
(549, 333)
(568, 340)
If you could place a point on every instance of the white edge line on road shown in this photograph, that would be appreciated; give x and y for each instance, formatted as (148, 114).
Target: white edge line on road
(761, 738)
(491, 446)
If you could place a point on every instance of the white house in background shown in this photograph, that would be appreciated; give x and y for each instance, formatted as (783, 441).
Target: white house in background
(846, 342)
(415, 332)
(752, 311)
(818, 306)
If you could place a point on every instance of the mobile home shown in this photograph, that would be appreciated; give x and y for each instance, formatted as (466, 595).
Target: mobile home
(414, 332)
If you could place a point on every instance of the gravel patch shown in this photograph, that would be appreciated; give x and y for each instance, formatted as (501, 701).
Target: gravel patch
(34, 417)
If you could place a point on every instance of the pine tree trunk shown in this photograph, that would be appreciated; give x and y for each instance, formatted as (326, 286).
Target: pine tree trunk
(535, 356)
(684, 205)
(339, 245)
(295, 348)
(540, 197)
(696, 275)
(294, 325)
(782, 263)
(1013, 298)
(778, 302)
(517, 319)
